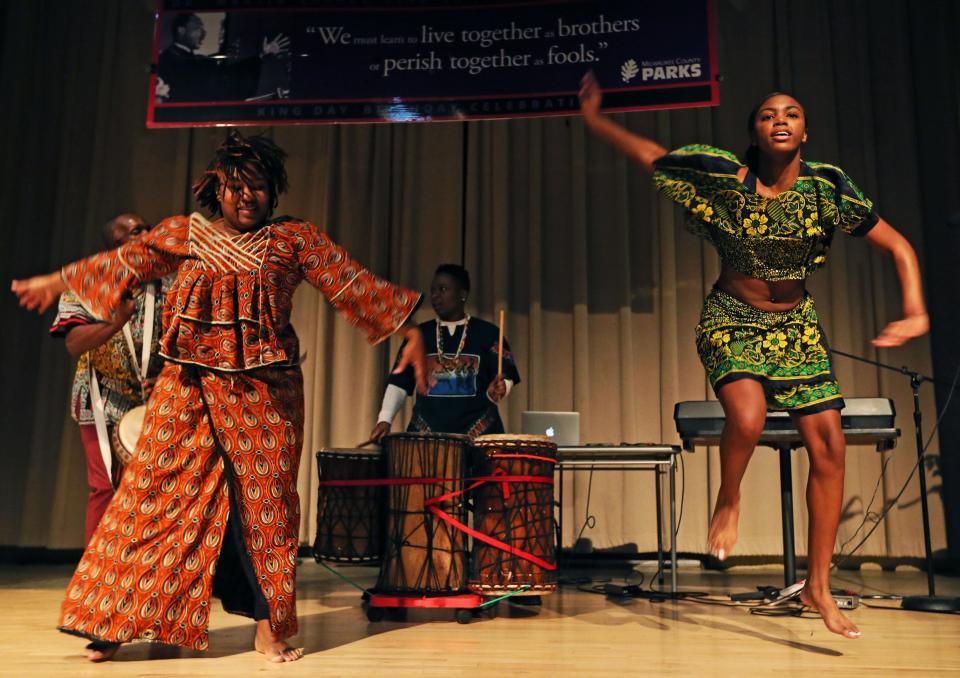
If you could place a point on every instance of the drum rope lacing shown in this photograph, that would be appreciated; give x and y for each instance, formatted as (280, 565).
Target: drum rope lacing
(476, 481)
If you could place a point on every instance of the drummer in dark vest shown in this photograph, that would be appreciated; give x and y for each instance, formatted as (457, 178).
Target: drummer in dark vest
(462, 362)
(109, 379)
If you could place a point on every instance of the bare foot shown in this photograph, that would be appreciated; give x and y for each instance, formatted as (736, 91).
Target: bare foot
(723, 528)
(833, 618)
(268, 643)
(101, 650)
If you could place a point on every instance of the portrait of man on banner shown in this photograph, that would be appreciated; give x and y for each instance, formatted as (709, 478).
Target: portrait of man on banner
(215, 56)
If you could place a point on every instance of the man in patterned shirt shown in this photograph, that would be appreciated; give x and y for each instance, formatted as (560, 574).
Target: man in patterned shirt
(102, 350)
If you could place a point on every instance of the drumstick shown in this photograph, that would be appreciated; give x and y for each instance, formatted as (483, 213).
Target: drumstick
(500, 349)
(365, 443)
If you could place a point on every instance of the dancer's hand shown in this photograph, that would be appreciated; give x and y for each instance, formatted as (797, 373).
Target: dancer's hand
(414, 355)
(900, 332)
(37, 293)
(637, 147)
(381, 429)
(590, 96)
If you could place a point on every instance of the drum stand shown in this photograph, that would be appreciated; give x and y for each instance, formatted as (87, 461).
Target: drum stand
(379, 606)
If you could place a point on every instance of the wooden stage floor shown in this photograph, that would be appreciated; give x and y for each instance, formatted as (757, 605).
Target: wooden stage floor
(576, 633)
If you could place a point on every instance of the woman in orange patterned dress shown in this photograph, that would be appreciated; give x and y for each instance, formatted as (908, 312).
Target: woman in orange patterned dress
(208, 504)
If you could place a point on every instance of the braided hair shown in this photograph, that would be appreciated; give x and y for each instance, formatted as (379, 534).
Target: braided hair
(245, 159)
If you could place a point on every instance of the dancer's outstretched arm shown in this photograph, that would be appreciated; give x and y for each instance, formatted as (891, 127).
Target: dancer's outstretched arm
(642, 150)
(38, 292)
(915, 321)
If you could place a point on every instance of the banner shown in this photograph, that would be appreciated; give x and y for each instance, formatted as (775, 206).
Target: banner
(249, 62)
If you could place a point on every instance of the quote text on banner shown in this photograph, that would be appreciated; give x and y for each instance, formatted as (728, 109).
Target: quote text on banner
(223, 62)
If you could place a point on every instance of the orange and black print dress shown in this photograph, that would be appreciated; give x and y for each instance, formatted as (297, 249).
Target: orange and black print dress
(208, 504)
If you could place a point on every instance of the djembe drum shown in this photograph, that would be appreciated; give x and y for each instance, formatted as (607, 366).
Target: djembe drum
(516, 515)
(349, 512)
(126, 433)
(424, 553)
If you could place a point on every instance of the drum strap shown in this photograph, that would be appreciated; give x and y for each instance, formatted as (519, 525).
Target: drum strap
(100, 421)
(96, 398)
(149, 313)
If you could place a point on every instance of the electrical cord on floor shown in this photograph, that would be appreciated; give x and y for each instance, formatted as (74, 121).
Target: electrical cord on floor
(705, 598)
(868, 514)
(597, 588)
(634, 589)
(628, 590)
(779, 611)
(654, 596)
(604, 587)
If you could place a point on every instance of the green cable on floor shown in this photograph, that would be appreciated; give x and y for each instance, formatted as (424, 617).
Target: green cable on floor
(504, 597)
(346, 578)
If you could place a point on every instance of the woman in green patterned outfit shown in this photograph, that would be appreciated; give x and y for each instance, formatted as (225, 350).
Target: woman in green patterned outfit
(771, 220)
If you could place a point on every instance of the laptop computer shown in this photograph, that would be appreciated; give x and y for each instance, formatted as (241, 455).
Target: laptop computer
(563, 428)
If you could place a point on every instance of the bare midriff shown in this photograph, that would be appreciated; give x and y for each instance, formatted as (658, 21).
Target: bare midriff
(767, 295)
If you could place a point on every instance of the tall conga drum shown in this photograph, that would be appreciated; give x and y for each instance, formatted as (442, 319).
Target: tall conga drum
(423, 553)
(350, 513)
(515, 514)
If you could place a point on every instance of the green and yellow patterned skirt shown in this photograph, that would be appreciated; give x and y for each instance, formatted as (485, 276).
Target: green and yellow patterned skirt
(785, 351)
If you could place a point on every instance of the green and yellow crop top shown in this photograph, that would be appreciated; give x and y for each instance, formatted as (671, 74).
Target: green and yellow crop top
(782, 238)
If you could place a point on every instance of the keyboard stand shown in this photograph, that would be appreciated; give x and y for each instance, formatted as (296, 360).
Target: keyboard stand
(864, 421)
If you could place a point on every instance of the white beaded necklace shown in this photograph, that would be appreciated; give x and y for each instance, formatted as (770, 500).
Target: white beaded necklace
(441, 358)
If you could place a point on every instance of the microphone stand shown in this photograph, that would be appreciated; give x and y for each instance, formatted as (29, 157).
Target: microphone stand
(930, 602)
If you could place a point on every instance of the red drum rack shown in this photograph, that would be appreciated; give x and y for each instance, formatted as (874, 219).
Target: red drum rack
(465, 604)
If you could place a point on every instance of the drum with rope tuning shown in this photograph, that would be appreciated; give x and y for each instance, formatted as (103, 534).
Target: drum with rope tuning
(425, 552)
(349, 516)
(515, 551)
